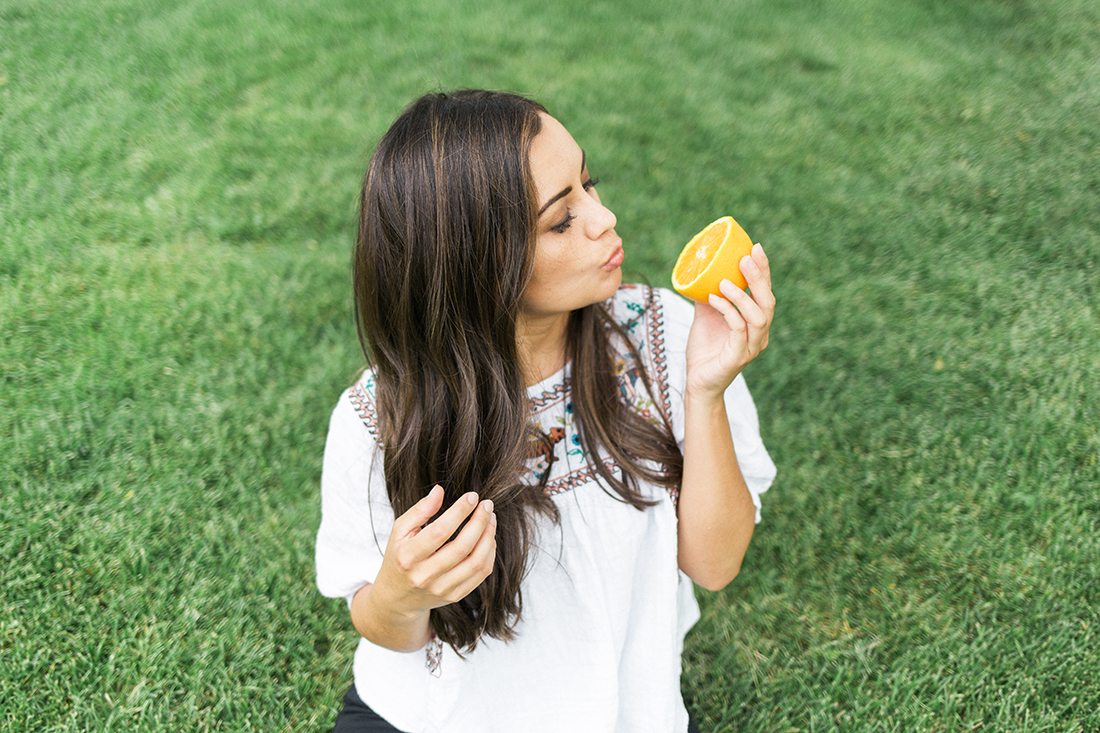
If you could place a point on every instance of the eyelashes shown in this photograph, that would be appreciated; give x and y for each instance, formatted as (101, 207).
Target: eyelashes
(565, 223)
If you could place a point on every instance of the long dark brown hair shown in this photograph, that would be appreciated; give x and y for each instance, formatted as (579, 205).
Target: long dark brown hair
(446, 243)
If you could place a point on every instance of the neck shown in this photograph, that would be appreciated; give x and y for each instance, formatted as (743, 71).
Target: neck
(541, 344)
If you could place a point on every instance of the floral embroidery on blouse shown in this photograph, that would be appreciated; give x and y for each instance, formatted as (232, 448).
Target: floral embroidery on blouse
(541, 450)
(362, 399)
(433, 656)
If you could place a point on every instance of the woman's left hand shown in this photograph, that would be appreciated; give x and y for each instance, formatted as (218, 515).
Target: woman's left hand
(729, 332)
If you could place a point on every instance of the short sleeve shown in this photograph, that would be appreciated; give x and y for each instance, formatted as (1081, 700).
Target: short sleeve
(356, 517)
(752, 457)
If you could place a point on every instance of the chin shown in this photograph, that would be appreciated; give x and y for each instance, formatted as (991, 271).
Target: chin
(613, 285)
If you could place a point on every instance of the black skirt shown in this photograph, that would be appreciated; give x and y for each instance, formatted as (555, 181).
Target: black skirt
(357, 717)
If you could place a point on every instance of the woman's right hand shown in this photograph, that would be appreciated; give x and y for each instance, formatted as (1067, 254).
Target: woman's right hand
(421, 570)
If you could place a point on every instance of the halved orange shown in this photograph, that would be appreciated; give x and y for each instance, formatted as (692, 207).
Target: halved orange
(711, 256)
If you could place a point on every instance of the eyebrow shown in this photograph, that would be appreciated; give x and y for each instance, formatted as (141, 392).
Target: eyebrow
(565, 191)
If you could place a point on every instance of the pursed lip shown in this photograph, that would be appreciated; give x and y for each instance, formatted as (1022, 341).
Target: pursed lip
(616, 258)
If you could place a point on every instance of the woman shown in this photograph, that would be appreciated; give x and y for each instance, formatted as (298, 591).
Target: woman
(516, 493)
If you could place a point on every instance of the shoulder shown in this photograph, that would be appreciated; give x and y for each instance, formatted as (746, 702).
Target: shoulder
(361, 397)
(354, 420)
(352, 448)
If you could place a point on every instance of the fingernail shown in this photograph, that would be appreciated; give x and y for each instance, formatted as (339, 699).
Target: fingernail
(493, 519)
(746, 260)
(488, 506)
(714, 300)
(471, 497)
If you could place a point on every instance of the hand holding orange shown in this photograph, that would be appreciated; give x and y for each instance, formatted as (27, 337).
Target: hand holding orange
(712, 255)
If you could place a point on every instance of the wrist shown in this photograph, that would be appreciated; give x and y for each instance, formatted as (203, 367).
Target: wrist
(703, 399)
(389, 611)
(386, 624)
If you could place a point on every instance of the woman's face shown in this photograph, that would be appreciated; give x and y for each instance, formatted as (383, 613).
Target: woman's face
(577, 253)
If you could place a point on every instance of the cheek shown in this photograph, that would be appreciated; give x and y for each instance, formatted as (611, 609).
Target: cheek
(550, 257)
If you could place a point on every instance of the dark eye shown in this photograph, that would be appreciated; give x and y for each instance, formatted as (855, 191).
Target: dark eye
(591, 183)
(560, 228)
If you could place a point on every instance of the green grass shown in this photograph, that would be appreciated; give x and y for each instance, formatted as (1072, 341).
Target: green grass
(177, 188)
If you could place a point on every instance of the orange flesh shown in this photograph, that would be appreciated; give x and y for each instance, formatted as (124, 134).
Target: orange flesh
(704, 252)
(706, 246)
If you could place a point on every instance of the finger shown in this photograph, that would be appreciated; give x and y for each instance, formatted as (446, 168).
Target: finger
(472, 571)
(420, 513)
(724, 307)
(738, 328)
(758, 276)
(751, 311)
(435, 534)
(759, 282)
(458, 549)
(762, 262)
(756, 268)
(751, 271)
(753, 320)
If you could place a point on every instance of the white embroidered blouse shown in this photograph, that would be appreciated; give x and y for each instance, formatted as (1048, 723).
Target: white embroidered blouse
(605, 607)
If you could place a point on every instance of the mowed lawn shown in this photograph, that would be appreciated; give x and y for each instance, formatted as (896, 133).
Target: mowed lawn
(177, 205)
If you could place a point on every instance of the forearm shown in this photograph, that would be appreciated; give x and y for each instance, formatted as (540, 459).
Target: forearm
(379, 624)
(716, 513)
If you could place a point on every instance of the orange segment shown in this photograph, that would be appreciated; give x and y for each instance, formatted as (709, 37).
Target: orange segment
(711, 256)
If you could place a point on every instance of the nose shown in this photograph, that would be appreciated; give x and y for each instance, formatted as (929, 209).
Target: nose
(602, 221)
